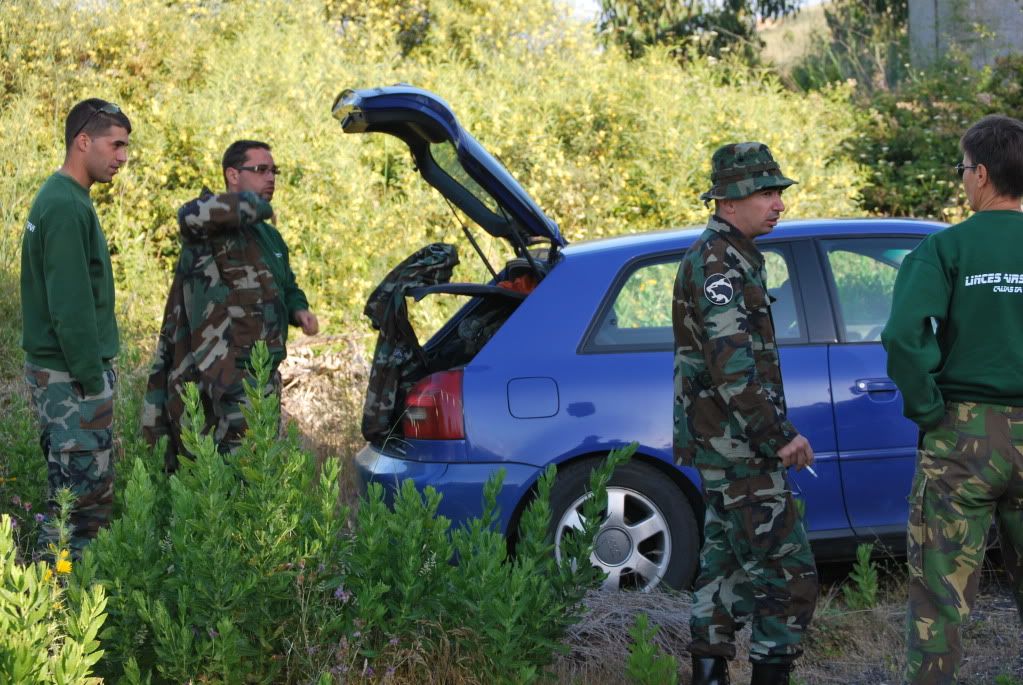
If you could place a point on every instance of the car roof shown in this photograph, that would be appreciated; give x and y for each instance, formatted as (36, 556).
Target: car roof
(667, 239)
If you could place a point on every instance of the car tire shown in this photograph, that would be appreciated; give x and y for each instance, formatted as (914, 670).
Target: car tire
(651, 535)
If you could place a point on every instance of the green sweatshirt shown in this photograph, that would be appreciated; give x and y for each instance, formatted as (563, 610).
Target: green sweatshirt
(969, 279)
(275, 254)
(67, 285)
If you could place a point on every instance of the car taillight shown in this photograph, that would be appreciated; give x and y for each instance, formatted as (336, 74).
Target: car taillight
(433, 408)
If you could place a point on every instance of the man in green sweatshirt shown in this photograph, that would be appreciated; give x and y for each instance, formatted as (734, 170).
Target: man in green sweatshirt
(67, 304)
(953, 342)
(233, 287)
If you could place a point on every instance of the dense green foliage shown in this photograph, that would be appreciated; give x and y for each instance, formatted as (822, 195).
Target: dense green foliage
(48, 625)
(245, 569)
(606, 145)
(689, 27)
(910, 139)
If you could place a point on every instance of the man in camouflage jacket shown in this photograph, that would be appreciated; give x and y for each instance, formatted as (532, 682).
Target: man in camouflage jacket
(233, 286)
(730, 423)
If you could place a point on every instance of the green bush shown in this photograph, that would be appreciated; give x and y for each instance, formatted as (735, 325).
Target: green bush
(607, 145)
(647, 664)
(243, 569)
(861, 590)
(47, 632)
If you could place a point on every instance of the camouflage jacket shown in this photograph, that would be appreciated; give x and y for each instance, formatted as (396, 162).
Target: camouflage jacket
(223, 299)
(399, 360)
(729, 401)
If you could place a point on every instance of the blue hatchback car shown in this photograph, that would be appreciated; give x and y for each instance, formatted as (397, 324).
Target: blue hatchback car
(567, 353)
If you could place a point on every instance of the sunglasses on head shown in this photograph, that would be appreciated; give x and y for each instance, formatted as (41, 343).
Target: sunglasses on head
(109, 108)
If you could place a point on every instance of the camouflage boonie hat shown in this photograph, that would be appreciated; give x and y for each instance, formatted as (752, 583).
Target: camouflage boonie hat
(740, 169)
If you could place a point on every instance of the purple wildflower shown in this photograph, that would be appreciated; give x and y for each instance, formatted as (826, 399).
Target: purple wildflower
(40, 518)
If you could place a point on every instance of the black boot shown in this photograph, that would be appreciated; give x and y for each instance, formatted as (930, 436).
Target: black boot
(770, 674)
(710, 670)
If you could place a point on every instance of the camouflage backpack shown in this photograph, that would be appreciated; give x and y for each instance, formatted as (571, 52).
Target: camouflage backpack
(398, 359)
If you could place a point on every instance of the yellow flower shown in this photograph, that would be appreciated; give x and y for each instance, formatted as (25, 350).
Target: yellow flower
(63, 564)
(47, 575)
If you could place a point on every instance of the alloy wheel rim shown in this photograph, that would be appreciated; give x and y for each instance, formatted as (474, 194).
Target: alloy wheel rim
(633, 545)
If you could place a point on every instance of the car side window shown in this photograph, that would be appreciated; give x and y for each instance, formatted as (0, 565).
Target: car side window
(863, 271)
(784, 313)
(638, 315)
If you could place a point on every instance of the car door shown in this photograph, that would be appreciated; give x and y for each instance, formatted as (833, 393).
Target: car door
(633, 336)
(876, 444)
(793, 281)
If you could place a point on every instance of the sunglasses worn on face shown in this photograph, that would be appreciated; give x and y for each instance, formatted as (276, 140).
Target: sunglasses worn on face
(109, 108)
(261, 169)
(961, 168)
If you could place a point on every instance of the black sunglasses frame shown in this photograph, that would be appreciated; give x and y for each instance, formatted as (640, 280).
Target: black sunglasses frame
(109, 108)
(961, 168)
(261, 169)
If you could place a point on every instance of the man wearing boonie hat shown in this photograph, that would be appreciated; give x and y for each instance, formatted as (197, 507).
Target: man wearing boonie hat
(730, 423)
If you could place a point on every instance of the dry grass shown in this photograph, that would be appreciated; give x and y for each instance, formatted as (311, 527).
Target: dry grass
(842, 648)
(324, 384)
(788, 39)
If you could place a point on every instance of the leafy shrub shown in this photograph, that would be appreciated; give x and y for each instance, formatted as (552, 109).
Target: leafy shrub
(47, 632)
(861, 591)
(911, 138)
(605, 144)
(647, 664)
(240, 568)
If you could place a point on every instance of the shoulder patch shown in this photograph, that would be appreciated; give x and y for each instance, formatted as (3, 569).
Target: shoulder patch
(718, 289)
(30, 227)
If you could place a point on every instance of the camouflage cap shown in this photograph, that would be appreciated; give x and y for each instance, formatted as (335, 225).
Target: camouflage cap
(741, 169)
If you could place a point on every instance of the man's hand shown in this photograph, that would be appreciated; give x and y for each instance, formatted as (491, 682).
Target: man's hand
(307, 320)
(797, 453)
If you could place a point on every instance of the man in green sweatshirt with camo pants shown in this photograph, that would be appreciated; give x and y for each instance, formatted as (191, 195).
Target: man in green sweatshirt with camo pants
(962, 383)
(69, 332)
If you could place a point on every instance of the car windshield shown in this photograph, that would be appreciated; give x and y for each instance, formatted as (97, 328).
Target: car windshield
(446, 156)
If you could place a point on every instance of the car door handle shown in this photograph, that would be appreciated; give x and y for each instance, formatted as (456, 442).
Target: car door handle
(874, 385)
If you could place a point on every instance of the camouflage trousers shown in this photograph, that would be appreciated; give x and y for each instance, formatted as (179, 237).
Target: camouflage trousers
(756, 566)
(230, 423)
(77, 439)
(969, 472)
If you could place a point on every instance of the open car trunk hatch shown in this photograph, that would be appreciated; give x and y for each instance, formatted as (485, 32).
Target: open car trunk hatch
(454, 163)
